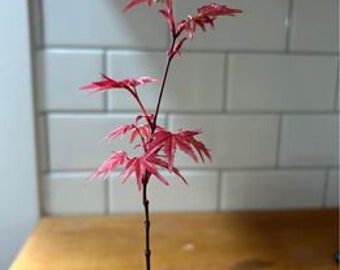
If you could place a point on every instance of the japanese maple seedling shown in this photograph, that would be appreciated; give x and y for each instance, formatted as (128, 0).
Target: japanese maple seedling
(158, 145)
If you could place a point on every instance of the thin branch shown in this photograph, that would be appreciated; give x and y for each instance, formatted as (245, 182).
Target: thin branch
(161, 92)
(147, 222)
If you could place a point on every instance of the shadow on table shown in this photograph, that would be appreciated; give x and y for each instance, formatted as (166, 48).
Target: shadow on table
(252, 264)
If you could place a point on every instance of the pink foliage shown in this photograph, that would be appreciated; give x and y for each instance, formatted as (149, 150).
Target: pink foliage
(183, 140)
(133, 3)
(206, 15)
(115, 160)
(159, 146)
(108, 83)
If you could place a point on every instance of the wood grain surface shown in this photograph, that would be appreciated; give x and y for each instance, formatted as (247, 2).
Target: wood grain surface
(281, 240)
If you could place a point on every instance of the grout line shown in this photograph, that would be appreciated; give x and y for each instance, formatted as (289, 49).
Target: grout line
(278, 143)
(107, 197)
(103, 47)
(106, 94)
(88, 171)
(324, 196)
(337, 85)
(90, 114)
(225, 83)
(254, 112)
(43, 125)
(166, 121)
(263, 168)
(65, 173)
(219, 191)
(258, 112)
(208, 51)
(261, 52)
(288, 24)
(74, 49)
(47, 142)
(220, 171)
(189, 113)
(96, 115)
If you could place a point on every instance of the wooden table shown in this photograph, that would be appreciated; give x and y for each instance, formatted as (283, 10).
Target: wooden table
(301, 240)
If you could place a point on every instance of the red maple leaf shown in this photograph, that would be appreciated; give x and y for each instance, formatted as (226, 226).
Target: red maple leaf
(147, 162)
(133, 3)
(183, 140)
(115, 160)
(206, 15)
(168, 14)
(143, 130)
(108, 83)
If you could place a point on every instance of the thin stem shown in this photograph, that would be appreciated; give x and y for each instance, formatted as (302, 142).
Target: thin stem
(161, 92)
(141, 137)
(135, 95)
(147, 174)
(146, 222)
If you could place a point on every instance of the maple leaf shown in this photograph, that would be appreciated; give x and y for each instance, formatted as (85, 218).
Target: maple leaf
(115, 160)
(121, 130)
(177, 48)
(108, 83)
(143, 130)
(147, 162)
(168, 14)
(206, 15)
(133, 3)
(165, 165)
(183, 140)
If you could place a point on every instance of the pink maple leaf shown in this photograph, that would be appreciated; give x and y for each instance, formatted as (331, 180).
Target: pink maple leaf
(177, 48)
(165, 165)
(139, 166)
(168, 14)
(133, 3)
(108, 83)
(206, 15)
(121, 130)
(143, 130)
(147, 162)
(183, 140)
(115, 160)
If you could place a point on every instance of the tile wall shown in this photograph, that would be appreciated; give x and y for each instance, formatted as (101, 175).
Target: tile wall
(263, 86)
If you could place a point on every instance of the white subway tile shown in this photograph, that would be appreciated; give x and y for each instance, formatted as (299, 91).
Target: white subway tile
(234, 140)
(332, 192)
(260, 27)
(272, 189)
(314, 25)
(308, 140)
(281, 82)
(68, 194)
(102, 23)
(62, 72)
(199, 195)
(191, 85)
(76, 141)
